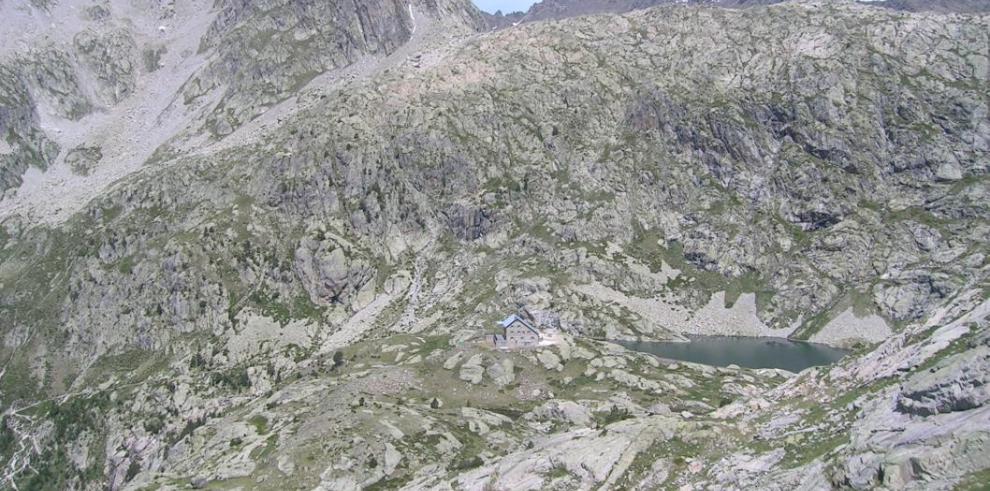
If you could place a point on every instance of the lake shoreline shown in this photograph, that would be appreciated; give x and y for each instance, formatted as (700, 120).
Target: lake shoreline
(744, 351)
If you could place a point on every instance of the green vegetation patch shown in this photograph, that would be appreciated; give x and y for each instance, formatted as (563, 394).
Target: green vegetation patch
(646, 247)
(976, 481)
(613, 415)
(260, 423)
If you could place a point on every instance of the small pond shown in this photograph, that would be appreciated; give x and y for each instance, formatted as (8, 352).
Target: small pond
(746, 352)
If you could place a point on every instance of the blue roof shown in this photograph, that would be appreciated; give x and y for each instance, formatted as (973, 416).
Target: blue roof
(512, 319)
(509, 320)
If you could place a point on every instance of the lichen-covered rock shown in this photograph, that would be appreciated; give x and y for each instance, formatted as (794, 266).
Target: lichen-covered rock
(112, 58)
(83, 159)
(912, 294)
(56, 82)
(502, 372)
(27, 145)
(549, 360)
(392, 459)
(564, 411)
(472, 371)
(451, 362)
(957, 383)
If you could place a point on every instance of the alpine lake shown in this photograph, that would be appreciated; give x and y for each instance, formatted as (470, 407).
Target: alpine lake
(749, 352)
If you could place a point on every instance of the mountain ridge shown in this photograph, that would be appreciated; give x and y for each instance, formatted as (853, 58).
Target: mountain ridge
(562, 9)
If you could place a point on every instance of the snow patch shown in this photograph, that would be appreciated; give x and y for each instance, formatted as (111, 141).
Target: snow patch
(412, 17)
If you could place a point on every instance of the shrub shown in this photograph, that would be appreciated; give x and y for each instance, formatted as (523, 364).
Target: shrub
(613, 415)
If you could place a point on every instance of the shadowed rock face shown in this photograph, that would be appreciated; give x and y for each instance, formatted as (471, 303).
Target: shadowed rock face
(20, 129)
(469, 223)
(327, 274)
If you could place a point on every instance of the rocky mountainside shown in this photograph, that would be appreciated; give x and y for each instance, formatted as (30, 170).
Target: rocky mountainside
(956, 6)
(259, 245)
(562, 9)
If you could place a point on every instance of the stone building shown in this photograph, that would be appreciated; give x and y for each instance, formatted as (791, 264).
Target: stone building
(516, 333)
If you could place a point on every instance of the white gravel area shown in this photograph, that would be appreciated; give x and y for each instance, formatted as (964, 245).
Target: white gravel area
(740, 320)
(712, 319)
(846, 329)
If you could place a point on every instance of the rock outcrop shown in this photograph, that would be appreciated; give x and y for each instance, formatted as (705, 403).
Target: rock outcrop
(327, 272)
(957, 383)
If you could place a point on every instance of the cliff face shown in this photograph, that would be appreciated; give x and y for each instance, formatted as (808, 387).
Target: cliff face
(266, 51)
(229, 199)
(92, 71)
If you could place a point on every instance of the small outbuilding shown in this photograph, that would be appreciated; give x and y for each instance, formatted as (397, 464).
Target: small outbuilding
(516, 333)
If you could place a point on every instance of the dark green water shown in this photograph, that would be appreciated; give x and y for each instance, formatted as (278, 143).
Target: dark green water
(721, 351)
